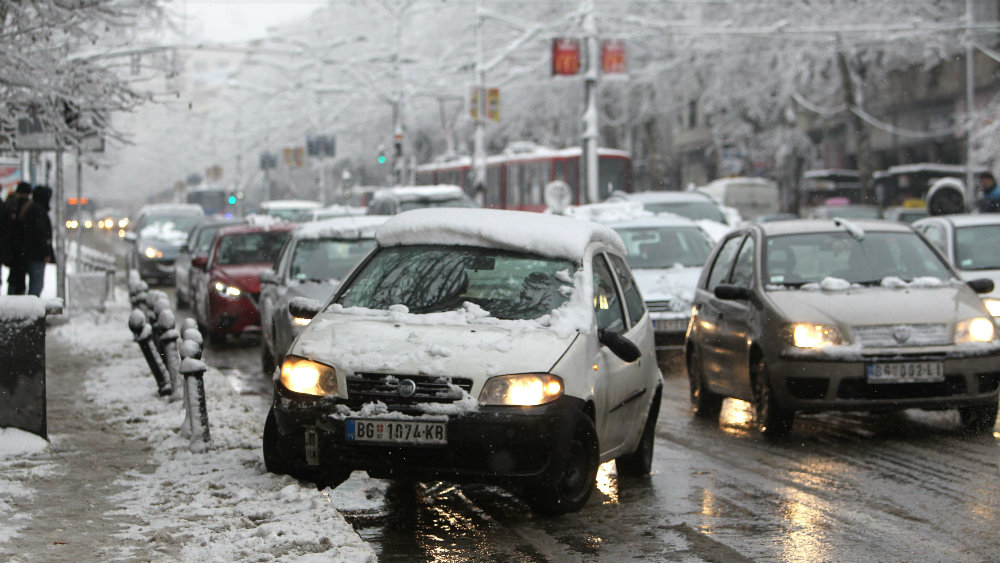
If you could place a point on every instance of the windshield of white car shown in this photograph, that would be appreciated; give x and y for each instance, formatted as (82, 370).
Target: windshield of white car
(795, 260)
(429, 279)
(325, 259)
(690, 209)
(664, 247)
(977, 248)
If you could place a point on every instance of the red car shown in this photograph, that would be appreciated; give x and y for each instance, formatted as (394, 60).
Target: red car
(225, 302)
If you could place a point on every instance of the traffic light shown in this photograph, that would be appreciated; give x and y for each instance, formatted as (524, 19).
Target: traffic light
(232, 200)
(381, 155)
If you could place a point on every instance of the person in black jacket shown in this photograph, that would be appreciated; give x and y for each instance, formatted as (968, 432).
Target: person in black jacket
(37, 242)
(12, 234)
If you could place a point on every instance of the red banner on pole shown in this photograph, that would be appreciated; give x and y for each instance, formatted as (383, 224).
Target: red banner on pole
(612, 56)
(565, 57)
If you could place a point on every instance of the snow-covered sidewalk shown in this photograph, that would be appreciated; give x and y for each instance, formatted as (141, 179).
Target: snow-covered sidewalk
(117, 482)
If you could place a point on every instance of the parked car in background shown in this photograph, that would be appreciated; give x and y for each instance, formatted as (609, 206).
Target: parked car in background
(292, 210)
(225, 302)
(464, 349)
(317, 257)
(749, 196)
(971, 244)
(902, 214)
(817, 315)
(697, 206)
(331, 211)
(390, 201)
(155, 237)
(197, 244)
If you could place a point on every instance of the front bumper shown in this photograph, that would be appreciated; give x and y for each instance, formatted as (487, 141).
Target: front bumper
(828, 383)
(503, 445)
(161, 269)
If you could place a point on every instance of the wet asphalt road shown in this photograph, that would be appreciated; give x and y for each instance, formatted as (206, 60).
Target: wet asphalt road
(843, 487)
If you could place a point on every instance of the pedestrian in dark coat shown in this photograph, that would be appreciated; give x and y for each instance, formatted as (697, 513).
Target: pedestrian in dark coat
(37, 242)
(12, 234)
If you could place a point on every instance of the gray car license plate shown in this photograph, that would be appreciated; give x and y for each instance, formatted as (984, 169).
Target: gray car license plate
(905, 372)
(396, 431)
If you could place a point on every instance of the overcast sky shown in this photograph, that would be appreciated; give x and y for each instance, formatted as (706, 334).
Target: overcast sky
(239, 20)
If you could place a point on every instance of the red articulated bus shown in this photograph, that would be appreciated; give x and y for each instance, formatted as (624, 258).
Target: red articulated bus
(517, 178)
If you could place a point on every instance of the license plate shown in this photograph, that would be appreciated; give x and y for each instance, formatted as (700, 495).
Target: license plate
(670, 325)
(905, 372)
(396, 431)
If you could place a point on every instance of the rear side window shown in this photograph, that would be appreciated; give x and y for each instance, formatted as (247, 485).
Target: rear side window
(633, 300)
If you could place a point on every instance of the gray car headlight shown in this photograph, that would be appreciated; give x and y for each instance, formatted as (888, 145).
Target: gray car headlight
(811, 335)
(308, 377)
(522, 389)
(979, 329)
(152, 252)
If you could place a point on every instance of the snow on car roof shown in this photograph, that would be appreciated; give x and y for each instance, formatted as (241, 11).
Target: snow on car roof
(348, 227)
(668, 196)
(608, 211)
(171, 209)
(520, 231)
(652, 221)
(290, 204)
(409, 193)
(971, 220)
(798, 226)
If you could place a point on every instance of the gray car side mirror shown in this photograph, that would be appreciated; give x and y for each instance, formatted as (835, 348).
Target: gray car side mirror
(619, 345)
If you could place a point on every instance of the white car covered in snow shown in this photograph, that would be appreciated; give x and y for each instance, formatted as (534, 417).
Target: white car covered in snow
(971, 244)
(474, 345)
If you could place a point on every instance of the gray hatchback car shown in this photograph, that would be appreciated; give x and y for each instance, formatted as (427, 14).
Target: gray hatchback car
(817, 315)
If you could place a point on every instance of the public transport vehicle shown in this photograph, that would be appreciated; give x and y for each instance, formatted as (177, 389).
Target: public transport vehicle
(821, 185)
(751, 197)
(214, 200)
(906, 183)
(516, 179)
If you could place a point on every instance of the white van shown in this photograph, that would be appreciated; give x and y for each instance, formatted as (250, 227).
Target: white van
(751, 197)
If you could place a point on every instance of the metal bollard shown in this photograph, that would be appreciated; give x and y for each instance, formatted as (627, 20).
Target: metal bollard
(196, 408)
(168, 344)
(143, 334)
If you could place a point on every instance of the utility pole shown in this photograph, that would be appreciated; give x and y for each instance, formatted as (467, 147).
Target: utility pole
(479, 137)
(970, 103)
(590, 123)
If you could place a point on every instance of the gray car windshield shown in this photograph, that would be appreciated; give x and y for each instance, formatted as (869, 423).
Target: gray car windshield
(664, 247)
(809, 258)
(428, 279)
(977, 248)
(325, 259)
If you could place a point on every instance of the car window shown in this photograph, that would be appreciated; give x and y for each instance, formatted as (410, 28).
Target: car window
(607, 306)
(205, 237)
(743, 270)
(664, 247)
(633, 300)
(429, 279)
(250, 248)
(326, 259)
(723, 261)
(935, 234)
(977, 248)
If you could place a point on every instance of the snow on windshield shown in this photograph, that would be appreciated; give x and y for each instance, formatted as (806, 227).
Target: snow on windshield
(536, 233)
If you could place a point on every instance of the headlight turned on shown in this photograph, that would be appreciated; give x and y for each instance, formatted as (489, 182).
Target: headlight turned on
(523, 389)
(152, 252)
(300, 375)
(979, 329)
(227, 290)
(809, 335)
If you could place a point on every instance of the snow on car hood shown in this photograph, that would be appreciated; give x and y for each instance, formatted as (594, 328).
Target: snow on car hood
(362, 340)
(858, 305)
(677, 283)
(164, 232)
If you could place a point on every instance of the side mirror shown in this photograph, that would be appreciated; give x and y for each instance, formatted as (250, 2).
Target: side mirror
(304, 308)
(268, 276)
(734, 292)
(184, 248)
(619, 345)
(982, 285)
(131, 237)
(199, 262)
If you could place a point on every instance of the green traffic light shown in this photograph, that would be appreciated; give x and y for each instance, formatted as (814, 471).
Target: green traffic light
(232, 200)
(381, 159)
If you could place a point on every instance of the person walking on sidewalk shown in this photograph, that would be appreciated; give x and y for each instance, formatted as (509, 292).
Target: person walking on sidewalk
(11, 235)
(37, 238)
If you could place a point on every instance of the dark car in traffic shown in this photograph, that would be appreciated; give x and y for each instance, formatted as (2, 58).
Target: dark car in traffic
(159, 232)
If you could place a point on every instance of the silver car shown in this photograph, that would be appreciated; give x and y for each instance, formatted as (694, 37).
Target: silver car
(317, 257)
(815, 315)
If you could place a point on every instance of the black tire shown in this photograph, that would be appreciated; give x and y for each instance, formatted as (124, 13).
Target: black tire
(978, 419)
(640, 462)
(571, 488)
(704, 403)
(770, 418)
(275, 460)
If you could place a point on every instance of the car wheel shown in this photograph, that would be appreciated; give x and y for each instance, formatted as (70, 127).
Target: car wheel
(978, 419)
(640, 462)
(273, 460)
(705, 403)
(277, 461)
(569, 490)
(771, 420)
